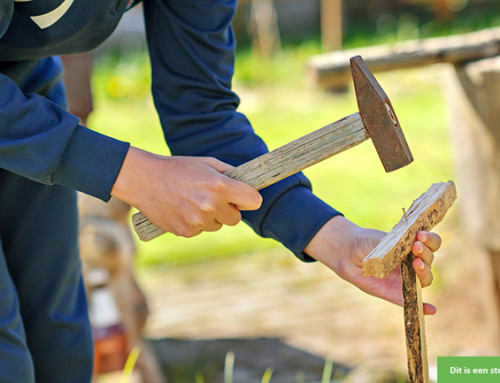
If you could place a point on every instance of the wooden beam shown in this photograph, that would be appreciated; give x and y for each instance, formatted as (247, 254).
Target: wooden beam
(332, 69)
(425, 213)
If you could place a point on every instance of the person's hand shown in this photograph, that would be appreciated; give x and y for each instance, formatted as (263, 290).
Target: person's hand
(183, 195)
(342, 246)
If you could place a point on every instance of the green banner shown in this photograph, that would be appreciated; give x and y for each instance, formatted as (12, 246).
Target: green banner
(468, 369)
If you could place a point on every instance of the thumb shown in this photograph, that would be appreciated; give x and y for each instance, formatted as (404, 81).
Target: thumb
(241, 195)
(370, 240)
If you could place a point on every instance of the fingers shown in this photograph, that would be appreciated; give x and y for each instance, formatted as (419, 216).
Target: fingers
(214, 225)
(225, 214)
(431, 240)
(423, 249)
(423, 252)
(218, 199)
(210, 214)
(242, 195)
(423, 271)
(429, 309)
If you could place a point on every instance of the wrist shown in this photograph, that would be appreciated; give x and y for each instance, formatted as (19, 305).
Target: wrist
(332, 241)
(132, 176)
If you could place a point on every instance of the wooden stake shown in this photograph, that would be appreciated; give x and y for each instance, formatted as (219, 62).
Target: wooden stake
(416, 347)
(425, 212)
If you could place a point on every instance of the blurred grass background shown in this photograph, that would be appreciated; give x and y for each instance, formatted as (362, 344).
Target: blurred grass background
(282, 107)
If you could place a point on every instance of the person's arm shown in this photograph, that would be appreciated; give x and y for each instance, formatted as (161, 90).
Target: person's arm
(40, 140)
(191, 45)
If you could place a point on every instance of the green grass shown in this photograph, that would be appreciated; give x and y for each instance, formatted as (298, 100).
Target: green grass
(282, 107)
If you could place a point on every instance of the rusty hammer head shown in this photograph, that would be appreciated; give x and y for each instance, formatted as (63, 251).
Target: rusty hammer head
(379, 118)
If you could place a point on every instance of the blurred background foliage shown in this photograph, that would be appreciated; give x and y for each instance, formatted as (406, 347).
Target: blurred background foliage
(410, 19)
(281, 106)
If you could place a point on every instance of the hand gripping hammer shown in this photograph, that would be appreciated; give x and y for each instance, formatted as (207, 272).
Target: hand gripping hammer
(376, 120)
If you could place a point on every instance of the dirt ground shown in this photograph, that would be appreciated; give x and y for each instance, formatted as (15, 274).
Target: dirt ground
(309, 308)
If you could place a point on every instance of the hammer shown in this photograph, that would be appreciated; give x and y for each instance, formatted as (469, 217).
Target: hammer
(376, 119)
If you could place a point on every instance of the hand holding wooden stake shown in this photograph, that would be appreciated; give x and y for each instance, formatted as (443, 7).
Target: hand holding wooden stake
(425, 212)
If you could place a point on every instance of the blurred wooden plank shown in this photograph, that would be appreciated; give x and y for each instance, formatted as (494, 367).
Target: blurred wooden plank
(332, 69)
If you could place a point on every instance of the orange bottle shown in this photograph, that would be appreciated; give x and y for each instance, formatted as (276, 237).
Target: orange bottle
(110, 342)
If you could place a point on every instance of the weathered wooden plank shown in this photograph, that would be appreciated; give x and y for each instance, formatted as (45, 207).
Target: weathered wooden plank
(332, 69)
(425, 213)
(416, 347)
(302, 153)
(284, 161)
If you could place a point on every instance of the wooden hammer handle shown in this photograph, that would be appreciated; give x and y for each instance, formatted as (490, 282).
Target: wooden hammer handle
(284, 161)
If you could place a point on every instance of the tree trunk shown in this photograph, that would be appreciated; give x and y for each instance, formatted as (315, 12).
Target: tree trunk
(331, 25)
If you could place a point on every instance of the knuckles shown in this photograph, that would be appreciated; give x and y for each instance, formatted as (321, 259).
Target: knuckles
(187, 231)
(217, 185)
(196, 222)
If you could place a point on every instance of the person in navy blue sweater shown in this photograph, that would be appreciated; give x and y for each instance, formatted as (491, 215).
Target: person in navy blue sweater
(46, 155)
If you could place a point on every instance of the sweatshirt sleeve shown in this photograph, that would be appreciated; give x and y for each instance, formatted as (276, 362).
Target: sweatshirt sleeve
(191, 46)
(40, 140)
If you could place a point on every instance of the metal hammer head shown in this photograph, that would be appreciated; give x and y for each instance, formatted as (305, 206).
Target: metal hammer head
(379, 118)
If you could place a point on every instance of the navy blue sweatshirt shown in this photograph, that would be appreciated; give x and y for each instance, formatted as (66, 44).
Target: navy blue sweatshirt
(191, 46)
